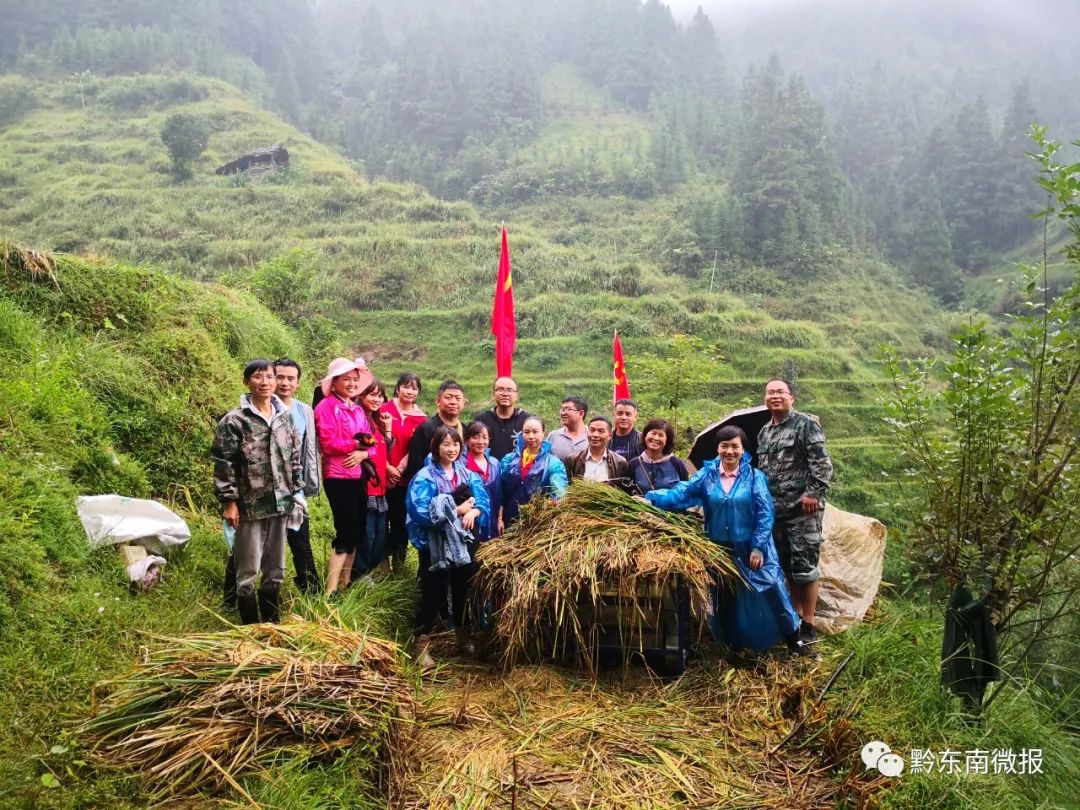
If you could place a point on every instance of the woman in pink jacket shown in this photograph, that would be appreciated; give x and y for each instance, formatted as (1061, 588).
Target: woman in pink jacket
(338, 421)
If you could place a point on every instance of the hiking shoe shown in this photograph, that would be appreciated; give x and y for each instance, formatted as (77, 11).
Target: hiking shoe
(802, 648)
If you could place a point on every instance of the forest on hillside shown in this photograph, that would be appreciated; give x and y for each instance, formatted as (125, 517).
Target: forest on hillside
(906, 137)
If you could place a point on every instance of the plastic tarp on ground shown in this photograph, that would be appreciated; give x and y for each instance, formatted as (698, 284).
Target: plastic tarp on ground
(852, 556)
(114, 519)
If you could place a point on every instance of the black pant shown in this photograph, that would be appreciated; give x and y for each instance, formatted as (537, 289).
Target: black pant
(348, 503)
(434, 592)
(307, 579)
(397, 538)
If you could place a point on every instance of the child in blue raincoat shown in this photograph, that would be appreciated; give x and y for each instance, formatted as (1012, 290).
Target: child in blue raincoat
(739, 516)
(448, 510)
(532, 468)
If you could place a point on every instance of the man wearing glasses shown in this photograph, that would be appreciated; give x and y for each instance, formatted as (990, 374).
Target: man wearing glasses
(572, 437)
(504, 421)
(791, 452)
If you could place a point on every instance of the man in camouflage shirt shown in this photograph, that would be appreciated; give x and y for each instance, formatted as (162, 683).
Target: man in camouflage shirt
(258, 474)
(791, 452)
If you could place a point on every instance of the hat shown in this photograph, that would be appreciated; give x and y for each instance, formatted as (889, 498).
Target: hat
(343, 365)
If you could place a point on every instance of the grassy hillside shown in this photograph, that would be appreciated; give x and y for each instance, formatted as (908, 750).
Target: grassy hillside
(113, 378)
(408, 277)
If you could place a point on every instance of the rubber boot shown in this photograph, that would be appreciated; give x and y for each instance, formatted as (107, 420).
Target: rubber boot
(268, 603)
(230, 583)
(308, 583)
(249, 608)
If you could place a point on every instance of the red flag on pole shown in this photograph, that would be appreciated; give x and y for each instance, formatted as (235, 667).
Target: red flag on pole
(622, 386)
(503, 326)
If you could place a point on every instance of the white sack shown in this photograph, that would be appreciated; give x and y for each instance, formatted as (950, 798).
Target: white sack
(852, 555)
(113, 519)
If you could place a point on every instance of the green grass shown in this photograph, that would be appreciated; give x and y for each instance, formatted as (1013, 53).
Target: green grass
(892, 692)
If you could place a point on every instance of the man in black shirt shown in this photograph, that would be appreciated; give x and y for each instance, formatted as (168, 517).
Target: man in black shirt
(450, 400)
(504, 421)
(626, 441)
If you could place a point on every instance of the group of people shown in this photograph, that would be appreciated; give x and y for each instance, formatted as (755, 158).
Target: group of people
(394, 476)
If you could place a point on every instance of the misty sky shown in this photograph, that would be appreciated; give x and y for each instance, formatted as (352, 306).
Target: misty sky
(1046, 23)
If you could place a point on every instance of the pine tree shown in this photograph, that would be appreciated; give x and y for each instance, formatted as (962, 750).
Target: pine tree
(786, 180)
(929, 247)
(1017, 191)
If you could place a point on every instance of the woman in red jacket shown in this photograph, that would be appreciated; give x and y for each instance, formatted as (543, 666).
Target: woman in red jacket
(338, 422)
(372, 399)
(405, 418)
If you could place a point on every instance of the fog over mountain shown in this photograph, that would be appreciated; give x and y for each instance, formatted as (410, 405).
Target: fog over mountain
(976, 48)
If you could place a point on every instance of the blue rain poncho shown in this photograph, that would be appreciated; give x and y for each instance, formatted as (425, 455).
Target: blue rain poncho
(546, 475)
(432, 481)
(741, 521)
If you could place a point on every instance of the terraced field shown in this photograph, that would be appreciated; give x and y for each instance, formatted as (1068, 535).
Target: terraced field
(409, 277)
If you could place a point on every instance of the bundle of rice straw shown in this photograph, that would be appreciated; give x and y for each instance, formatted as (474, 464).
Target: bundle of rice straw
(206, 708)
(596, 540)
(37, 265)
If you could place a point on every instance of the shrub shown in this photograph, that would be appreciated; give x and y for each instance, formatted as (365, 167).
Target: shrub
(185, 136)
(17, 97)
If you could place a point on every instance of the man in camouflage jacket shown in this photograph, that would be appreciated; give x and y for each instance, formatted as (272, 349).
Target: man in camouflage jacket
(257, 475)
(791, 452)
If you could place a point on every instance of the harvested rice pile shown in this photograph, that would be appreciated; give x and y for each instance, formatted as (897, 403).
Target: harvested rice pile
(595, 540)
(539, 737)
(207, 708)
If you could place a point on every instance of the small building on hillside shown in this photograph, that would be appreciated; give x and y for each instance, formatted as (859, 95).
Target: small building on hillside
(267, 159)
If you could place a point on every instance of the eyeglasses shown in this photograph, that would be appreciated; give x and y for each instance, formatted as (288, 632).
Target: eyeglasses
(263, 378)
(505, 390)
(568, 408)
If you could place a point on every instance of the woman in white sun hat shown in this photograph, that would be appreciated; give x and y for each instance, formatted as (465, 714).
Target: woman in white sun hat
(339, 420)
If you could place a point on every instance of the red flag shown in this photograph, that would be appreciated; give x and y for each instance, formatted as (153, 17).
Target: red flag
(622, 386)
(503, 326)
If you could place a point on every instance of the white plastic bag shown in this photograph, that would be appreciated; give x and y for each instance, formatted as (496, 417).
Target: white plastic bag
(143, 568)
(852, 555)
(114, 519)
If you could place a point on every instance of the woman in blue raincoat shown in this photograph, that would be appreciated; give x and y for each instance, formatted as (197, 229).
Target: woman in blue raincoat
(448, 509)
(479, 460)
(530, 469)
(739, 516)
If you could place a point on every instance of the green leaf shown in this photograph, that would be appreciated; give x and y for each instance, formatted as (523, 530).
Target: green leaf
(58, 749)
(49, 780)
